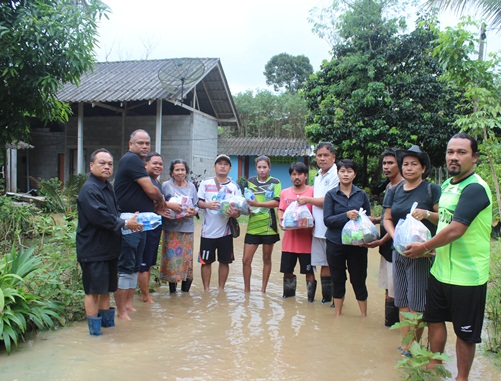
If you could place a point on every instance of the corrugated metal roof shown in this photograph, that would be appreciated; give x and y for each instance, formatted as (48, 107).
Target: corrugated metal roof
(264, 146)
(169, 79)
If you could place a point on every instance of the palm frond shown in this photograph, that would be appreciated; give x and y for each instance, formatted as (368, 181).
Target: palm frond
(488, 9)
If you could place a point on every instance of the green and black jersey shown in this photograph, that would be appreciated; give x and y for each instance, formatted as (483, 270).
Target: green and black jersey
(465, 261)
(264, 222)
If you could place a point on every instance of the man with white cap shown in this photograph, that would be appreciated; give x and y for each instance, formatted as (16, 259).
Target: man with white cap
(216, 234)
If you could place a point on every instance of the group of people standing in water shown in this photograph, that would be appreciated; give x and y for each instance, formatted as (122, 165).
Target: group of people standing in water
(444, 277)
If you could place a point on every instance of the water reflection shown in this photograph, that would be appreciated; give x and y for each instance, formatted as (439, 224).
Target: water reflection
(227, 336)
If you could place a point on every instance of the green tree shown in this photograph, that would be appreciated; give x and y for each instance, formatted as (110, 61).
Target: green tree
(489, 9)
(287, 71)
(43, 44)
(479, 81)
(264, 114)
(380, 89)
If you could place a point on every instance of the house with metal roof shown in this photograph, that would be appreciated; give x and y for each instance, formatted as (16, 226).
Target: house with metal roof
(281, 151)
(180, 102)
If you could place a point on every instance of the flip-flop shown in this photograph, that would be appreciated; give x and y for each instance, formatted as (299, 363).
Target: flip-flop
(406, 354)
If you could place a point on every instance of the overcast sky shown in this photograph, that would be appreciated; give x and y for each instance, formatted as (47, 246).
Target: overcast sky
(243, 34)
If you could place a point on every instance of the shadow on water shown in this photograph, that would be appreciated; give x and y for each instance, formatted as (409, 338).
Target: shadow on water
(228, 336)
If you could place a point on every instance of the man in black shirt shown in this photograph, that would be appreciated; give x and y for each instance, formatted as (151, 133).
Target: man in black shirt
(98, 240)
(135, 193)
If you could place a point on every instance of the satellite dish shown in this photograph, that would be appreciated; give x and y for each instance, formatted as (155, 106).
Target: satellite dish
(180, 72)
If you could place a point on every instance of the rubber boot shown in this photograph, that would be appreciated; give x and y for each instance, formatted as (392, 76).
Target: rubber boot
(326, 289)
(391, 313)
(311, 287)
(186, 284)
(289, 287)
(108, 317)
(172, 287)
(94, 324)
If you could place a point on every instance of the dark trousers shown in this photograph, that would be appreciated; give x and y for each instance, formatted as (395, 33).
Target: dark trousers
(353, 258)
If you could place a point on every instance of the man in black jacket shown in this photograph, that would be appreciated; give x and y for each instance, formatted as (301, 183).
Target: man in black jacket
(98, 240)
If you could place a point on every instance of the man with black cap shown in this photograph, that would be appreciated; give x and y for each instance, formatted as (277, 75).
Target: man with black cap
(216, 234)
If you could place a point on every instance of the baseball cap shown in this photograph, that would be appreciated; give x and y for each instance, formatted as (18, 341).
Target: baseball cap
(223, 157)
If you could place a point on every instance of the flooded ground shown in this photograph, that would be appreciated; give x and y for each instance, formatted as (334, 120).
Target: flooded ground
(228, 336)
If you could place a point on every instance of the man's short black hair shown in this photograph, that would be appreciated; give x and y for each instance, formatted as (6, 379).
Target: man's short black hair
(299, 167)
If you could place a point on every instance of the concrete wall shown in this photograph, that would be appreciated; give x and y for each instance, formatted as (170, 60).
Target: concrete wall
(204, 146)
(42, 160)
(197, 145)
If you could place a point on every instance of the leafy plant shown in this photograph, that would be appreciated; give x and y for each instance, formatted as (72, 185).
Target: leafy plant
(416, 367)
(21, 308)
(59, 199)
(16, 220)
(493, 303)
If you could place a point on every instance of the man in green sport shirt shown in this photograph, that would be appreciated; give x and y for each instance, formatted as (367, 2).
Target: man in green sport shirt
(457, 286)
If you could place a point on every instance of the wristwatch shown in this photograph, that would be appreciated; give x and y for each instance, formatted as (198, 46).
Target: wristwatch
(126, 224)
(427, 214)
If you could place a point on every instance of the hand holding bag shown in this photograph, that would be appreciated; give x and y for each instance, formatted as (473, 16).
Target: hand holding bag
(408, 231)
(360, 231)
(297, 217)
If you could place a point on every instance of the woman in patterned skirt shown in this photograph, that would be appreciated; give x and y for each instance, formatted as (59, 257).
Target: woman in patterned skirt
(178, 230)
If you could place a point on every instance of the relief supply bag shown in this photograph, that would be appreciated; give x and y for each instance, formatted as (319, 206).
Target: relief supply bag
(408, 231)
(360, 231)
(236, 202)
(297, 217)
(185, 202)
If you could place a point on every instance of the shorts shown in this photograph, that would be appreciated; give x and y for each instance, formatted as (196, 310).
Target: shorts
(318, 252)
(410, 277)
(127, 281)
(99, 278)
(208, 247)
(252, 239)
(150, 252)
(385, 279)
(131, 252)
(289, 260)
(462, 305)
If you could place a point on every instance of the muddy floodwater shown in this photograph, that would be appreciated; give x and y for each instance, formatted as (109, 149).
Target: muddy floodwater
(229, 336)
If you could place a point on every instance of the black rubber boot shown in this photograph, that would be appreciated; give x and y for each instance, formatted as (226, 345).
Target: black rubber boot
(94, 324)
(326, 289)
(289, 287)
(311, 287)
(108, 317)
(172, 287)
(186, 284)
(391, 314)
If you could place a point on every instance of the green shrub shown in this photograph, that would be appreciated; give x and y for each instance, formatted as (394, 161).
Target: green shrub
(415, 368)
(61, 278)
(17, 221)
(59, 199)
(22, 308)
(493, 303)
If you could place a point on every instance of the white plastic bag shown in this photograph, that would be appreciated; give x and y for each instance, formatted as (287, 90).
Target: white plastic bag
(297, 217)
(236, 202)
(185, 202)
(360, 231)
(408, 231)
